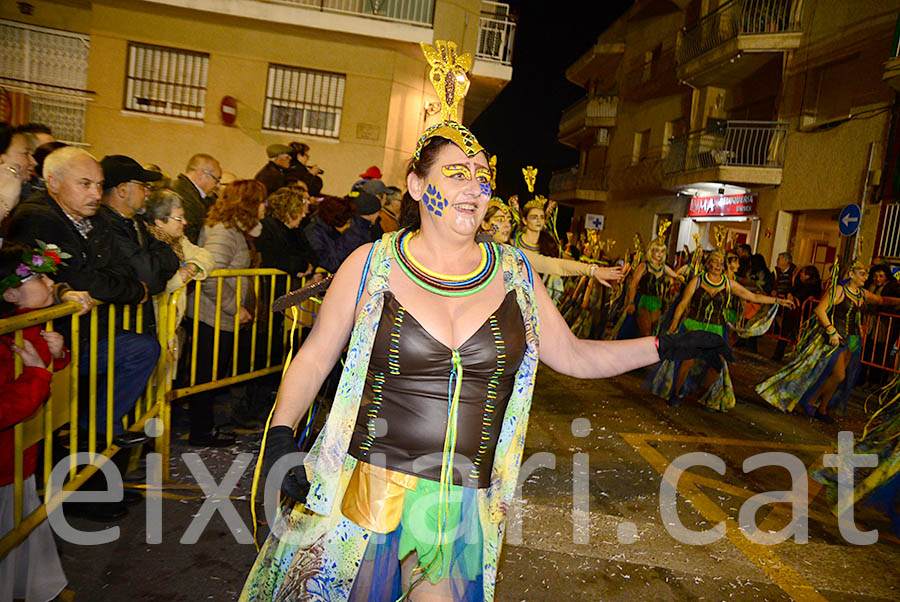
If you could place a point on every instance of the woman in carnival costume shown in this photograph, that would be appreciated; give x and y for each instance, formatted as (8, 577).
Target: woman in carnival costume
(498, 224)
(417, 464)
(824, 367)
(650, 280)
(703, 306)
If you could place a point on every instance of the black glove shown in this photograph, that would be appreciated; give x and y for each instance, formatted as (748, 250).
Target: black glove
(279, 443)
(694, 344)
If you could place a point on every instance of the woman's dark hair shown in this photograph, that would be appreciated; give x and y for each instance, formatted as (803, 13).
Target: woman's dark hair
(409, 212)
(546, 245)
(41, 152)
(6, 135)
(758, 263)
(409, 209)
(335, 211)
(812, 272)
(878, 268)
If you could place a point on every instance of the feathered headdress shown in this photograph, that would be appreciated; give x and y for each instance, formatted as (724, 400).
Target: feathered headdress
(448, 76)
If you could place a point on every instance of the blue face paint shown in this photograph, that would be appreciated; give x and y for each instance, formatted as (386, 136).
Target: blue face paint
(433, 200)
(485, 188)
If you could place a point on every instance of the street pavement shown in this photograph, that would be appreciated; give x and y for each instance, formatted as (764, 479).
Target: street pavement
(615, 544)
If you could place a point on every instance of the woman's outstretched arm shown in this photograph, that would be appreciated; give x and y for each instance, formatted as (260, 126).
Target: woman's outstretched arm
(564, 352)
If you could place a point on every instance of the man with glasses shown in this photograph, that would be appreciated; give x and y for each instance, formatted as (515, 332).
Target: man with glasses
(125, 190)
(195, 187)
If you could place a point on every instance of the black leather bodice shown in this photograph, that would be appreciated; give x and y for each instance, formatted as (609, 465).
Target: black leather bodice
(708, 308)
(847, 315)
(403, 411)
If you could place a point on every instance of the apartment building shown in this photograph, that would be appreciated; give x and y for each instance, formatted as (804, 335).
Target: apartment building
(160, 80)
(764, 116)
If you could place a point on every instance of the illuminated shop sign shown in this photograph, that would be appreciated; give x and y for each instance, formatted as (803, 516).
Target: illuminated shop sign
(732, 204)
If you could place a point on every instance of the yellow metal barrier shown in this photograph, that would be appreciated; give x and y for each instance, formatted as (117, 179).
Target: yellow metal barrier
(61, 407)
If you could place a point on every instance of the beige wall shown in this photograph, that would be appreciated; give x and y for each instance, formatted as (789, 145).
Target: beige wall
(382, 117)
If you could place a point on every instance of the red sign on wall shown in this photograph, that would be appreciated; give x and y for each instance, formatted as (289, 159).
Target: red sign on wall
(732, 204)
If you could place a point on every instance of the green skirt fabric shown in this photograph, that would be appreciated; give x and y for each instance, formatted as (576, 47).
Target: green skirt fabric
(696, 325)
(650, 303)
(461, 540)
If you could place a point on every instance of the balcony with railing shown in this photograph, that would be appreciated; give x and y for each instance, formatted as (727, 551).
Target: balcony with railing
(580, 122)
(732, 42)
(402, 20)
(568, 186)
(492, 68)
(892, 65)
(740, 152)
(496, 33)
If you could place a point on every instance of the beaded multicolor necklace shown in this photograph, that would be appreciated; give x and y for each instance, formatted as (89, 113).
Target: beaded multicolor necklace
(715, 287)
(520, 242)
(855, 297)
(447, 285)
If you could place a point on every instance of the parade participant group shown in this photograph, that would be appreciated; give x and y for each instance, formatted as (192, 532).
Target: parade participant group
(440, 309)
(405, 490)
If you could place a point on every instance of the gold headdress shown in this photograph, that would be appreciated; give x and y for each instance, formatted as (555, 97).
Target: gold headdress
(493, 165)
(448, 76)
(539, 201)
(660, 240)
(720, 235)
(499, 204)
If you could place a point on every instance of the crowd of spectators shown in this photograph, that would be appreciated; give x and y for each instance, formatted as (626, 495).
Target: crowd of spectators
(128, 232)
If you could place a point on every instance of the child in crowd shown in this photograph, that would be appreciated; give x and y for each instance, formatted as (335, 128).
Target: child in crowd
(32, 570)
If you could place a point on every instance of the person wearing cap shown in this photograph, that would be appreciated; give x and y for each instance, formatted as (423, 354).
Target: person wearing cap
(301, 171)
(373, 173)
(195, 187)
(272, 174)
(126, 186)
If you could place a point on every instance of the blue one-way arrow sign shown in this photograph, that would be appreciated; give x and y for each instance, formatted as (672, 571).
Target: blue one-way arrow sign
(848, 222)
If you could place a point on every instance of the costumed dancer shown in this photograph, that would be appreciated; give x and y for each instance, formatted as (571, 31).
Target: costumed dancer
(538, 229)
(879, 488)
(418, 461)
(703, 306)
(650, 280)
(498, 224)
(823, 369)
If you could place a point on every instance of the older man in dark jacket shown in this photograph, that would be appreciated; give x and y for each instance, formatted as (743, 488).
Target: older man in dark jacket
(65, 214)
(126, 187)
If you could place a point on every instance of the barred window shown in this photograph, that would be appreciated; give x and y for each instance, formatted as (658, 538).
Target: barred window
(166, 81)
(889, 248)
(304, 101)
(43, 78)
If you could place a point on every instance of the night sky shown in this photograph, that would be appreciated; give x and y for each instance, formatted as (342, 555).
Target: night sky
(521, 125)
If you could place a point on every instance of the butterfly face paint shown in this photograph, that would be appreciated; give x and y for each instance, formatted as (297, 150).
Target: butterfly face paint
(434, 200)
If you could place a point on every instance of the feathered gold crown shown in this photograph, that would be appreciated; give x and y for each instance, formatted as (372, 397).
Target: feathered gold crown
(539, 201)
(448, 76)
(720, 235)
(660, 240)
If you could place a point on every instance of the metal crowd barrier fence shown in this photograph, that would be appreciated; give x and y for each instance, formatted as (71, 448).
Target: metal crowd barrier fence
(880, 342)
(47, 426)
